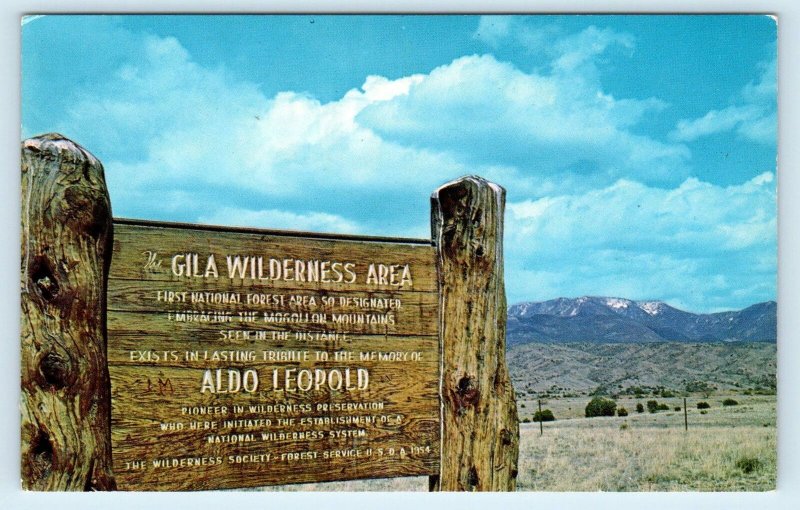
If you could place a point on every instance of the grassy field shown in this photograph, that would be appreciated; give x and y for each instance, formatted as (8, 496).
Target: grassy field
(731, 448)
(726, 449)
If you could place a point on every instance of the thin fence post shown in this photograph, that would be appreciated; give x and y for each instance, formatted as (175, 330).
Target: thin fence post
(541, 420)
(66, 250)
(685, 416)
(480, 427)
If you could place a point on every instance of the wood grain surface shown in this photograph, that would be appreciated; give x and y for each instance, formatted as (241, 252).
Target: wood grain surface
(480, 427)
(66, 248)
(174, 427)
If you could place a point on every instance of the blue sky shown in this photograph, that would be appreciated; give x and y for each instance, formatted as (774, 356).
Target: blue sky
(639, 152)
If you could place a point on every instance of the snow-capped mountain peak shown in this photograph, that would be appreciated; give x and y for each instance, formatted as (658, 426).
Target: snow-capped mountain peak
(617, 303)
(611, 319)
(651, 307)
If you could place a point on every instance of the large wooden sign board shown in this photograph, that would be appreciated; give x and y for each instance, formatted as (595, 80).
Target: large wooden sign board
(160, 356)
(245, 358)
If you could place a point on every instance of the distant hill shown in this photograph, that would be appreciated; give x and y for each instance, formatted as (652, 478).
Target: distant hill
(617, 320)
(584, 367)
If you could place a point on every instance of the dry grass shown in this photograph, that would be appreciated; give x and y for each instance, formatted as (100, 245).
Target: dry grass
(726, 449)
(652, 452)
(647, 459)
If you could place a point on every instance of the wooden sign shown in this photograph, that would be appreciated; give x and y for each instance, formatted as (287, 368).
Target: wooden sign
(159, 356)
(245, 358)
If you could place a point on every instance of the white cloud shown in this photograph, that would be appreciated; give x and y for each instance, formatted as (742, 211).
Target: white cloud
(753, 114)
(581, 49)
(715, 121)
(765, 87)
(566, 51)
(761, 129)
(284, 220)
(643, 242)
(492, 30)
(692, 215)
(170, 130)
(560, 124)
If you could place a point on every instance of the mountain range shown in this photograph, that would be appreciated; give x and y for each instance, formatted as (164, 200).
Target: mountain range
(617, 320)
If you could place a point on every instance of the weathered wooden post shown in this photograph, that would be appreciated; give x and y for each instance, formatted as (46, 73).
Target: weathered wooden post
(541, 419)
(66, 250)
(480, 428)
(685, 416)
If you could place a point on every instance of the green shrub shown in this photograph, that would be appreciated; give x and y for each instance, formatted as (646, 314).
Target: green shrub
(703, 412)
(677, 408)
(622, 411)
(748, 464)
(526, 420)
(667, 394)
(703, 405)
(764, 391)
(599, 391)
(699, 387)
(639, 407)
(544, 415)
(652, 406)
(600, 406)
(730, 402)
(662, 407)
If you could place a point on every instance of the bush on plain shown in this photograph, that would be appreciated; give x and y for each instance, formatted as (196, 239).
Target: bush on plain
(600, 406)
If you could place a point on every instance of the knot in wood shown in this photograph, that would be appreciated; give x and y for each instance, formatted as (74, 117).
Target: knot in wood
(43, 278)
(473, 480)
(466, 395)
(40, 456)
(48, 287)
(505, 437)
(56, 369)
